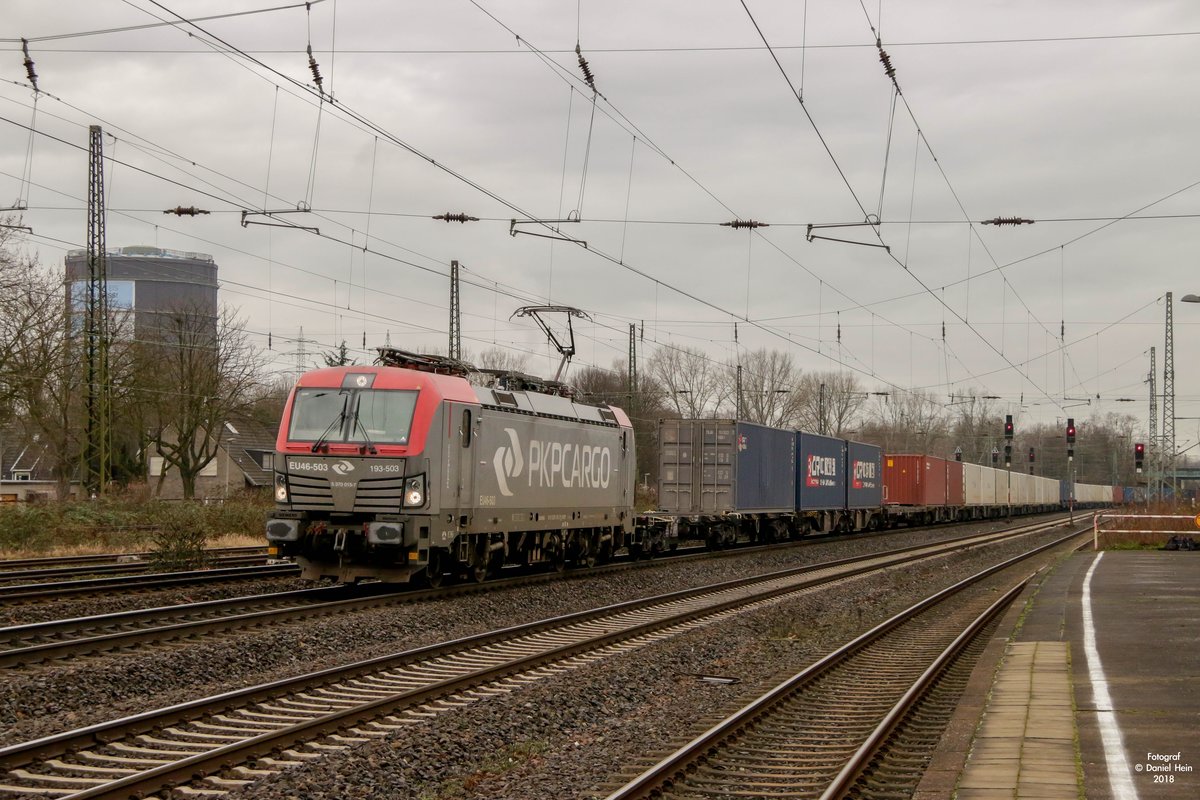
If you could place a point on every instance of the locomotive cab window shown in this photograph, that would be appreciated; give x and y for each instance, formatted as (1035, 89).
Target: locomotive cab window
(466, 427)
(383, 417)
(359, 416)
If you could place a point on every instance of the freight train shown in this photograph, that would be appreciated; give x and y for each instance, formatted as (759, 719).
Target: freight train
(423, 467)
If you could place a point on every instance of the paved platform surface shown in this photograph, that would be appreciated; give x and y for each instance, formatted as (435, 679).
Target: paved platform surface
(1098, 694)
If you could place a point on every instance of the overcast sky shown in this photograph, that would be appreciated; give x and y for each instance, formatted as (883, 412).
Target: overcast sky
(1080, 115)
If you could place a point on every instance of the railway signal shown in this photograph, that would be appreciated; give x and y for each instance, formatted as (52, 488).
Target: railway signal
(1070, 430)
(1008, 427)
(1139, 456)
(995, 455)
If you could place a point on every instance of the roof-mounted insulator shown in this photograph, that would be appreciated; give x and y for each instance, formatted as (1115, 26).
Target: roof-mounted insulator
(316, 71)
(461, 216)
(745, 223)
(29, 65)
(1007, 221)
(587, 71)
(886, 60)
(189, 211)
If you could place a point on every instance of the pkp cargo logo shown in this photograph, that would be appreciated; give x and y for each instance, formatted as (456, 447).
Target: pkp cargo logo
(508, 462)
(342, 467)
(821, 471)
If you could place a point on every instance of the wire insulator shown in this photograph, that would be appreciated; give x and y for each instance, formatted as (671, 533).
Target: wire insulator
(316, 71)
(886, 60)
(189, 211)
(587, 71)
(745, 223)
(1008, 221)
(461, 216)
(29, 64)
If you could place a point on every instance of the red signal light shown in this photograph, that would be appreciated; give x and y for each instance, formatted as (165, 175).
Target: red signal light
(1070, 431)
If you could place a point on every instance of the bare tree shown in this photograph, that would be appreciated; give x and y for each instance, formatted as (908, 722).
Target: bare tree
(204, 371)
(829, 402)
(977, 427)
(907, 422)
(769, 383)
(499, 358)
(693, 385)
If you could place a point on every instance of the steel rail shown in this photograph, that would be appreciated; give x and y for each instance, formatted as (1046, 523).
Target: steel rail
(651, 782)
(42, 591)
(7, 564)
(737, 594)
(222, 614)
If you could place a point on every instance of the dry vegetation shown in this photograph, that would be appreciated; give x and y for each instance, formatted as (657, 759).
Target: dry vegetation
(128, 522)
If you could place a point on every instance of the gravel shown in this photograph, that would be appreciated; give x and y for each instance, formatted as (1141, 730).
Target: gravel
(569, 736)
(46, 699)
(113, 600)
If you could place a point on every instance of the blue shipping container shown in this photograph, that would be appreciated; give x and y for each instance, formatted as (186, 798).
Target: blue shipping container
(820, 472)
(714, 466)
(864, 466)
(765, 478)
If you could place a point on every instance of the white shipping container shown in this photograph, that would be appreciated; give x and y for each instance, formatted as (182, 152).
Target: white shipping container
(972, 483)
(989, 489)
(1021, 486)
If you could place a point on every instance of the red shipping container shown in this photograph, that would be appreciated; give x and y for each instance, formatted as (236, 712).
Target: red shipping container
(915, 480)
(1118, 495)
(956, 491)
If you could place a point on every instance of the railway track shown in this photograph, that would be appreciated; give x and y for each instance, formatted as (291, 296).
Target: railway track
(99, 563)
(858, 723)
(43, 641)
(26, 592)
(215, 744)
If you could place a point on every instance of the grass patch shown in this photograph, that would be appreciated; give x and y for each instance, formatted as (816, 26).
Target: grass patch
(128, 523)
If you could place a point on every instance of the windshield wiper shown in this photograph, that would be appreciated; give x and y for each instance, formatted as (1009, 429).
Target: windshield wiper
(341, 417)
(369, 447)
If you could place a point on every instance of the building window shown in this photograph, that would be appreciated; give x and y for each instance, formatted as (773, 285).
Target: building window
(22, 475)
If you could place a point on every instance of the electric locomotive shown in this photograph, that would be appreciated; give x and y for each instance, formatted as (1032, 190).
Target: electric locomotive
(409, 470)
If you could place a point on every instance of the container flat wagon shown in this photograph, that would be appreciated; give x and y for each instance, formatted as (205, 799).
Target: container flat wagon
(722, 478)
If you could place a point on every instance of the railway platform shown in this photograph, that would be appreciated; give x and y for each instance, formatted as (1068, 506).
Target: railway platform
(1089, 688)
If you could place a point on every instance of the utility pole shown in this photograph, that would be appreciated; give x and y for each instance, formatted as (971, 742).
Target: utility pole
(1168, 427)
(633, 375)
(1153, 440)
(96, 465)
(738, 399)
(455, 351)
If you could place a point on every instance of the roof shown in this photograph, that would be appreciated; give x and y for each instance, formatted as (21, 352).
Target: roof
(21, 451)
(246, 441)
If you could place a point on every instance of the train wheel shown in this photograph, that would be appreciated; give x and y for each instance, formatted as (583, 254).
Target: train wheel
(435, 571)
(554, 553)
(478, 566)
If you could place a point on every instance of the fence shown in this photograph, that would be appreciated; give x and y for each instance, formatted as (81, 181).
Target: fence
(1183, 524)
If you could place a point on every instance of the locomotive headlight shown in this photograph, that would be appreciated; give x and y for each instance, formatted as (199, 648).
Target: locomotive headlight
(414, 492)
(281, 487)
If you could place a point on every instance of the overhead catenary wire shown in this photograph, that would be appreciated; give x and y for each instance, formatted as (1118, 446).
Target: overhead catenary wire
(622, 256)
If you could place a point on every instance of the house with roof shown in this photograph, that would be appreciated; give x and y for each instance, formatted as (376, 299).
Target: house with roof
(26, 466)
(244, 461)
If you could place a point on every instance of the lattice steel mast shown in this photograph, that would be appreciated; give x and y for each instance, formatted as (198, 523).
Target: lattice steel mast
(455, 351)
(97, 451)
(1152, 456)
(1168, 423)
